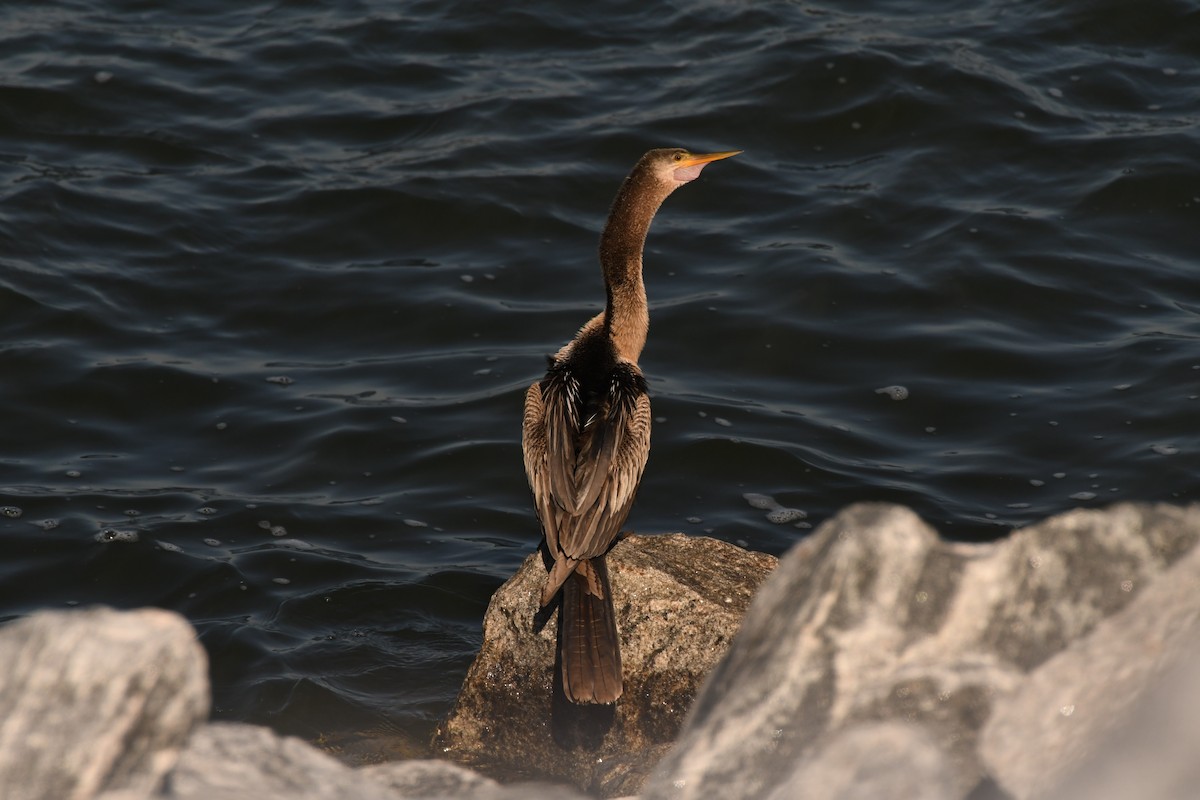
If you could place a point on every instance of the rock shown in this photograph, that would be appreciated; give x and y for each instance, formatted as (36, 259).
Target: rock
(95, 700)
(678, 601)
(1073, 704)
(232, 761)
(875, 622)
(428, 778)
(868, 762)
(1153, 755)
(877, 662)
(109, 705)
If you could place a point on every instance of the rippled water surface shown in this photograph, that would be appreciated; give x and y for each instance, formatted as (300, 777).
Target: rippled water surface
(273, 278)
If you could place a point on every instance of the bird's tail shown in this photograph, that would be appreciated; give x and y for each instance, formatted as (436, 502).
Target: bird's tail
(589, 650)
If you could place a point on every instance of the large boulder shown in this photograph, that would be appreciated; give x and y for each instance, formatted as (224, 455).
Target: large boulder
(97, 703)
(678, 600)
(1150, 753)
(232, 761)
(881, 661)
(95, 700)
(1087, 699)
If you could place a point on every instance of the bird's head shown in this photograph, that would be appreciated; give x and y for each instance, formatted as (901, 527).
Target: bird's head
(674, 166)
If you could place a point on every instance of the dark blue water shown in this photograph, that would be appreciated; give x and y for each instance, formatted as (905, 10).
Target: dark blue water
(273, 278)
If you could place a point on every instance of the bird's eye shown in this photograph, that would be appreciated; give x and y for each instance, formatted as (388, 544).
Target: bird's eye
(679, 156)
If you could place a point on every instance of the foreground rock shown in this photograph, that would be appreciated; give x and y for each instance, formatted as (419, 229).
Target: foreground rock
(1086, 697)
(678, 599)
(248, 762)
(880, 661)
(1152, 753)
(876, 662)
(98, 703)
(96, 700)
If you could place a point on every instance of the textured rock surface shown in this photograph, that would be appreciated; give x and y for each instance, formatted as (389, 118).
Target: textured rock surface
(678, 601)
(877, 662)
(247, 762)
(1154, 754)
(104, 704)
(96, 700)
(875, 620)
(224, 761)
(425, 778)
(871, 762)
(1079, 699)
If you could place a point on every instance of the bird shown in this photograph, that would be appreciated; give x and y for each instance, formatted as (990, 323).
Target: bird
(586, 433)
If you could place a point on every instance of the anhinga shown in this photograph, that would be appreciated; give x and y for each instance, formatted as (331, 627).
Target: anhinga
(587, 433)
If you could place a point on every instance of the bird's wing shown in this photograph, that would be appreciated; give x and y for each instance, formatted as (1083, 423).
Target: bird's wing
(611, 456)
(561, 403)
(584, 475)
(550, 430)
(535, 448)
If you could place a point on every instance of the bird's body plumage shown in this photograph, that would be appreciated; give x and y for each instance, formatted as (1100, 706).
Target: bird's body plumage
(586, 434)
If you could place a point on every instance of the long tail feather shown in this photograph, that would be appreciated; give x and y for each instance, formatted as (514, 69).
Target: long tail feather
(589, 649)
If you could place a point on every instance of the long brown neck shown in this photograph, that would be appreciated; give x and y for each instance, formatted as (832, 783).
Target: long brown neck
(626, 316)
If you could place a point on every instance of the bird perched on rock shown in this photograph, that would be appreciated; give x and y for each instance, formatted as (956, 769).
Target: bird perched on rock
(586, 433)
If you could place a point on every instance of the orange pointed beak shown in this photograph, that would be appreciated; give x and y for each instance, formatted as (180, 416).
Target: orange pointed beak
(695, 160)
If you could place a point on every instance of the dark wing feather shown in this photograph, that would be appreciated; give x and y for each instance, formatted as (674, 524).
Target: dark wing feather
(535, 448)
(561, 400)
(611, 457)
(584, 476)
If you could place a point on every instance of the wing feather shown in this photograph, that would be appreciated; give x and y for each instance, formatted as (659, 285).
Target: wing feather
(584, 475)
(535, 448)
(611, 465)
(561, 400)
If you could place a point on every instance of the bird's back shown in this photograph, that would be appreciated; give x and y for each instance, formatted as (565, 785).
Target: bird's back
(586, 439)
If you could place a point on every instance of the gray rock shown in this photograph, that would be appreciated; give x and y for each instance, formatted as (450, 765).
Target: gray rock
(1075, 702)
(875, 621)
(678, 601)
(868, 762)
(109, 705)
(877, 662)
(428, 778)
(232, 761)
(96, 699)
(442, 780)
(1153, 754)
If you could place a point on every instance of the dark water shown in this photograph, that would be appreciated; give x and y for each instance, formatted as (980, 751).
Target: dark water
(273, 278)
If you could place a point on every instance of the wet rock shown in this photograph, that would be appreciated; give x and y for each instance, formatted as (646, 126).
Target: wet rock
(96, 700)
(678, 599)
(875, 623)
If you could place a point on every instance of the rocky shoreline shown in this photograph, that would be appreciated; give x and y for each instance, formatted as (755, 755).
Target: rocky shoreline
(875, 661)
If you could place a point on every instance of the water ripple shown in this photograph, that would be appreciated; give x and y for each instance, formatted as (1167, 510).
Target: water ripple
(295, 265)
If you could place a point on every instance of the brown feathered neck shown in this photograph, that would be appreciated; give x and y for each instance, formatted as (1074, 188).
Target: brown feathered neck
(626, 317)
